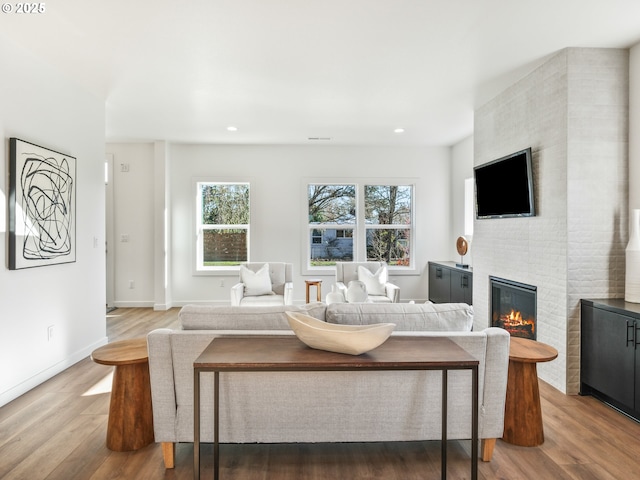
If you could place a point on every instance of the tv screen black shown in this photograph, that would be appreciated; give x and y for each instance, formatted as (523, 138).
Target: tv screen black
(504, 187)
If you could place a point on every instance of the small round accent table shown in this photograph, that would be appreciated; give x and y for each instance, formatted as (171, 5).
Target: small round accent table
(318, 284)
(130, 424)
(523, 414)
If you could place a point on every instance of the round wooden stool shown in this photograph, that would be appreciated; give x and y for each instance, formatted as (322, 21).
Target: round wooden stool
(130, 424)
(318, 284)
(523, 414)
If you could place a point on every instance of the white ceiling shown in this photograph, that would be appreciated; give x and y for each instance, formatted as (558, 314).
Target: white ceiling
(282, 71)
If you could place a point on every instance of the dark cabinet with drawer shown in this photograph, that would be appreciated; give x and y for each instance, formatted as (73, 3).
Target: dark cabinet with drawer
(450, 284)
(610, 353)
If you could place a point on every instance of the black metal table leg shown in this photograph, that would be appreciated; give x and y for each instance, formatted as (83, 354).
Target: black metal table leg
(443, 461)
(216, 425)
(196, 424)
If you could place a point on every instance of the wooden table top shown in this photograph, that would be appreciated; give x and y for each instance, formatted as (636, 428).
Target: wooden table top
(530, 351)
(289, 353)
(123, 352)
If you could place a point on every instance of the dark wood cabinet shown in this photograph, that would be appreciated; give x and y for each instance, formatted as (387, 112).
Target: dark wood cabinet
(610, 353)
(449, 283)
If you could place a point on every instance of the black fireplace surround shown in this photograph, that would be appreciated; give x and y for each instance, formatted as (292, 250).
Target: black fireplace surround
(513, 307)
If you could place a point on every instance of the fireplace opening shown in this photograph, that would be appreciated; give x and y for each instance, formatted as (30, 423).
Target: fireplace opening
(513, 307)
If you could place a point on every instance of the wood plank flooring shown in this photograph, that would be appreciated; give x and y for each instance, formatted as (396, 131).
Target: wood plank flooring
(57, 431)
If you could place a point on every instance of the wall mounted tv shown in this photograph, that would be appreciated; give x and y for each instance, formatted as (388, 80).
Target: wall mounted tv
(504, 187)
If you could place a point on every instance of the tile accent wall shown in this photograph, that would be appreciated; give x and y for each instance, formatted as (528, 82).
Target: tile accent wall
(573, 112)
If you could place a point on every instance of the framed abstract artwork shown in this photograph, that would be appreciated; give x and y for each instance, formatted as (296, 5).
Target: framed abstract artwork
(42, 206)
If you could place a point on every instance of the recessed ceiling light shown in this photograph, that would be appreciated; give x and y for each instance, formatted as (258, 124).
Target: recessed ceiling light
(399, 130)
(231, 128)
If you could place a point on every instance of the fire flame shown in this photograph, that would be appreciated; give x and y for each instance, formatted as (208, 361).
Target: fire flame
(514, 319)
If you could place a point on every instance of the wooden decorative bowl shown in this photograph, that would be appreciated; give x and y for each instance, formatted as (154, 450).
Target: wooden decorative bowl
(349, 339)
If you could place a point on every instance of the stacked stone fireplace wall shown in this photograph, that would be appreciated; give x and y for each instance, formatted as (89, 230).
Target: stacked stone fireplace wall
(573, 111)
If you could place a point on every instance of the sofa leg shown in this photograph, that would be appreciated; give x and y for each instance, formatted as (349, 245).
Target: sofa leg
(169, 454)
(486, 448)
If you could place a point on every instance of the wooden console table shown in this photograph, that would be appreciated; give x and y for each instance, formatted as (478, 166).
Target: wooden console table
(523, 414)
(288, 353)
(130, 424)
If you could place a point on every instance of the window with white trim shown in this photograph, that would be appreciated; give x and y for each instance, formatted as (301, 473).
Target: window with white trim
(332, 221)
(388, 214)
(351, 222)
(222, 224)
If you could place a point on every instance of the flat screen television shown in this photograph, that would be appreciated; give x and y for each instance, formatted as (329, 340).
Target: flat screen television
(504, 187)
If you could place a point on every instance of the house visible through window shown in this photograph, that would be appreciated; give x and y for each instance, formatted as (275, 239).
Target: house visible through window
(332, 220)
(222, 225)
(352, 223)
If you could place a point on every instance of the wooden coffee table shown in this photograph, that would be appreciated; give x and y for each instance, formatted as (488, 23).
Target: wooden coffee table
(130, 424)
(523, 414)
(288, 353)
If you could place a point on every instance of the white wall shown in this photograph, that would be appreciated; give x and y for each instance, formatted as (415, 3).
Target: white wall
(133, 223)
(278, 177)
(634, 127)
(41, 106)
(572, 111)
(461, 169)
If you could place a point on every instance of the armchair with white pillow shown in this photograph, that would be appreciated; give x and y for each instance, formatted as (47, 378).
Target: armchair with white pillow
(264, 284)
(373, 276)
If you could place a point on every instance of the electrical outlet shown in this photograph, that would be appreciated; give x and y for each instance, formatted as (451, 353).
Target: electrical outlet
(50, 332)
(132, 285)
(221, 283)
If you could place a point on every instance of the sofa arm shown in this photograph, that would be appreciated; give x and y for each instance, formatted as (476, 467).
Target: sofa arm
(341, 287)
(393, 292)
(237, 293)
(288, 293)
(163, 391)
(495, 382)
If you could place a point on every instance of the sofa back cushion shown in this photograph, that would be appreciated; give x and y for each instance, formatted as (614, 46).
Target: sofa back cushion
(443, 317)
(224, 317)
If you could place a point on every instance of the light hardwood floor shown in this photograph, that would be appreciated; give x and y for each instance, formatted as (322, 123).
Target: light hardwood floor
(57, 431)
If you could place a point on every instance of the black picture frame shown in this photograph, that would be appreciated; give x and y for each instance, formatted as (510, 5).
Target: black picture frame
(42, 206)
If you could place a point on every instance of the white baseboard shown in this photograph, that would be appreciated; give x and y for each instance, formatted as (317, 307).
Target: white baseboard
(149, 304)
(201, 302)
(41, 377)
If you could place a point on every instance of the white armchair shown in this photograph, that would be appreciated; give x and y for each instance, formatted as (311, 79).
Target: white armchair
(374, 275)
(263, 284)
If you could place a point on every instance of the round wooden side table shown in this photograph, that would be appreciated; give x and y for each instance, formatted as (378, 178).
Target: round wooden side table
(130, 424)
(523, 414)
(318, 284)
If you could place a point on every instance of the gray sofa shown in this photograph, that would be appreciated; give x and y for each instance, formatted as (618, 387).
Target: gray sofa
(290, 407)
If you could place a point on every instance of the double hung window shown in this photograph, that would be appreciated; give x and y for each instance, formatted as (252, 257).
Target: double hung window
(388, 223)
(357, 222)
(332, 220)
(222, 224)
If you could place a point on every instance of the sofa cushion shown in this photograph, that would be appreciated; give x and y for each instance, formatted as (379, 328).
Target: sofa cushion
(256, 283)
(224, 317)
(375, 282)
(407, 317)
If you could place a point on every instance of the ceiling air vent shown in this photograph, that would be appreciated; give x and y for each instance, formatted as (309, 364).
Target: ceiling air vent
(319, 138)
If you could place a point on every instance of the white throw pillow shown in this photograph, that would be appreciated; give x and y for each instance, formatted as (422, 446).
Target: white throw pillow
(256, 283)
(375, 282)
